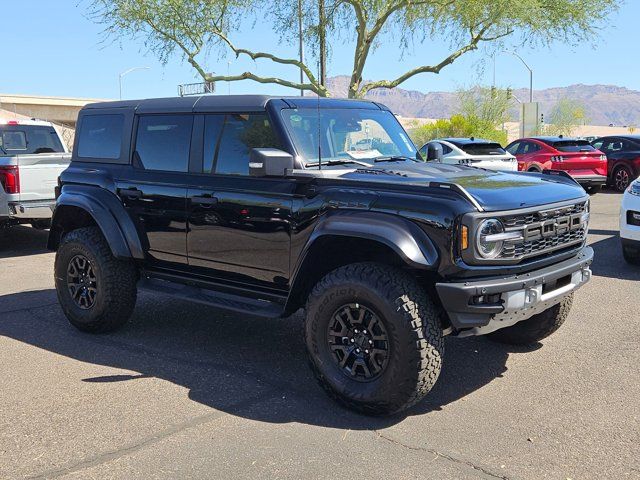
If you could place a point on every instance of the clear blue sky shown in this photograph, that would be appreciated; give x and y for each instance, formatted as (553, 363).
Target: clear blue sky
(52, 48)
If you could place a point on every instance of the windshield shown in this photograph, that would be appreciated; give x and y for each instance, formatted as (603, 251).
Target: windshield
(346, 135)
(573, 146)
(483, 149)
(28, 139)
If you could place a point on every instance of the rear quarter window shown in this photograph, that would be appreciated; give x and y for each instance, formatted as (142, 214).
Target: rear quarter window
(100, 136)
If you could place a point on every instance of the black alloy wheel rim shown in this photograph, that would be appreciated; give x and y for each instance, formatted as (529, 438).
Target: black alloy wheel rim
(81, 282)
(358, 342)
(622, 179)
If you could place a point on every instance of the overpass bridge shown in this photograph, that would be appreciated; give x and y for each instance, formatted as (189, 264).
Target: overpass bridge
(60, 110)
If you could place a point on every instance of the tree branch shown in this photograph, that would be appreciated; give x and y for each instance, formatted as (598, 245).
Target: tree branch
(286, 61)
(278, 81)
(472, 45)
(192, 53)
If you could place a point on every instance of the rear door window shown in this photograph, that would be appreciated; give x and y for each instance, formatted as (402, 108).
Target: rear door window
(528, 147)
(163, 142)
(100, 136)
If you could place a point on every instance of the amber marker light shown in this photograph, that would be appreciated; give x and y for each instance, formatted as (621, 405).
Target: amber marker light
(465, 237)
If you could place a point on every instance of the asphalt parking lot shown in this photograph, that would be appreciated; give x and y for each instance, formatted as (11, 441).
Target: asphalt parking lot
(187, 392)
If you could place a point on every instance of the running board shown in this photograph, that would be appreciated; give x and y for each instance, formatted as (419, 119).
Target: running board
(213, 298)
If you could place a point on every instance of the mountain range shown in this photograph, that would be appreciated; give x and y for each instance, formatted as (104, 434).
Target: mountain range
(604, 104)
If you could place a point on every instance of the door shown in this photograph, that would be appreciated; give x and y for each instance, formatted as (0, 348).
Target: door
(529, 157)
(239, 226)
(154, 189)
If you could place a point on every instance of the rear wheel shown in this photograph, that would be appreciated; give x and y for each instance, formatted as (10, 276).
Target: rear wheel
(374, 338)
(536, 328)
(96, 291)
(622, 177)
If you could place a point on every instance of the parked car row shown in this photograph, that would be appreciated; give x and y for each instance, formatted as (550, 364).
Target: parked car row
(623, 155)
(32, 156)
(613, 161)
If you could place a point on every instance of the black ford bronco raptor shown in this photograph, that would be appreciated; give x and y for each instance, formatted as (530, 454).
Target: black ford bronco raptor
(265, 205)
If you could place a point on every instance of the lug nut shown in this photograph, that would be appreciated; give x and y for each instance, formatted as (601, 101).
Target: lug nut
(357, 350)
(356, 330)
(370, 342)
(352, 340)
(364, 331)
(366, 351)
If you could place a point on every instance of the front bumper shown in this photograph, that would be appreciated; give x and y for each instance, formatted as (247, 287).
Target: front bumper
(591, 180)
(628, 231)
(515, 298)
(29, 210)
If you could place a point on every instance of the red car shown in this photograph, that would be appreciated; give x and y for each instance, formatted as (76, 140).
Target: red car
(578, 158)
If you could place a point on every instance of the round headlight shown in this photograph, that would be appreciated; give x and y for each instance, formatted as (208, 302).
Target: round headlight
(488, 246)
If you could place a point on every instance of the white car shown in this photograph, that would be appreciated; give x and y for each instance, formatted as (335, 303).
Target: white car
(474, 152)
(630, 223)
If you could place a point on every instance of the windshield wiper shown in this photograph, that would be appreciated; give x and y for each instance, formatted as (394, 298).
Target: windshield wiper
(337, 162)
(394, 158)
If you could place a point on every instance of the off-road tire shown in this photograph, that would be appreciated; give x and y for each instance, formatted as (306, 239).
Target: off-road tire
(412, 322)
(536, 328)
(116, 282)
(631, 255)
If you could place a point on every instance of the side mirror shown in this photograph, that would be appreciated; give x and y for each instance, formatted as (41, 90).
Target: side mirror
(434, 152)
(269, 162)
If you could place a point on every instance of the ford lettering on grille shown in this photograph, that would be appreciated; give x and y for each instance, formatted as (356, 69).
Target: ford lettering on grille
(546, 231)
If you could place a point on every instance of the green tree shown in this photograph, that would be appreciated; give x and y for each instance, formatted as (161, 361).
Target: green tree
(481, 113)
(196, 27)
(565, 117)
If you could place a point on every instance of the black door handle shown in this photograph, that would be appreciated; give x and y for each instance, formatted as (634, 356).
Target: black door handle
(131, 192)
(204, 200)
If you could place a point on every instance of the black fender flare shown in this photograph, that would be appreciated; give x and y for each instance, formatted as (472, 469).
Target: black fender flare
(107, 212)
(400, 234)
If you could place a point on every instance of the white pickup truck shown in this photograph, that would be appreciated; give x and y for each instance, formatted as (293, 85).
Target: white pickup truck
(32, 156)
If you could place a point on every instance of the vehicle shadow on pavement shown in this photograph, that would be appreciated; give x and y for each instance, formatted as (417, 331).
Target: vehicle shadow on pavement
(20, 240)
(239, 365)
(608, 260)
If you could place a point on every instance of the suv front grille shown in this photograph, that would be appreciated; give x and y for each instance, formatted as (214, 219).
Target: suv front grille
(545, 231)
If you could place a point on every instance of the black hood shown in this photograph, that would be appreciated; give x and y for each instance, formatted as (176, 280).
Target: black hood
(492, 190)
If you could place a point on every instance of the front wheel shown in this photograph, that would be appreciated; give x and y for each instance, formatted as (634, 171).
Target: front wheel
(97, 292)
(536, 328)
(374, 338)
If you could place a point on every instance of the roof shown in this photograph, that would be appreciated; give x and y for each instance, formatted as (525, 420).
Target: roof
(465, 141)
(553, 139)
(627, 137)
(207, 103)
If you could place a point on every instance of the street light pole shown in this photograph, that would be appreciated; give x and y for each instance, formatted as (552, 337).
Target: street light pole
(530, 74)
(125, 73)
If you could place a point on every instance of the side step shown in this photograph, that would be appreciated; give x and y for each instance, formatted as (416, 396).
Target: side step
(213, 298)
